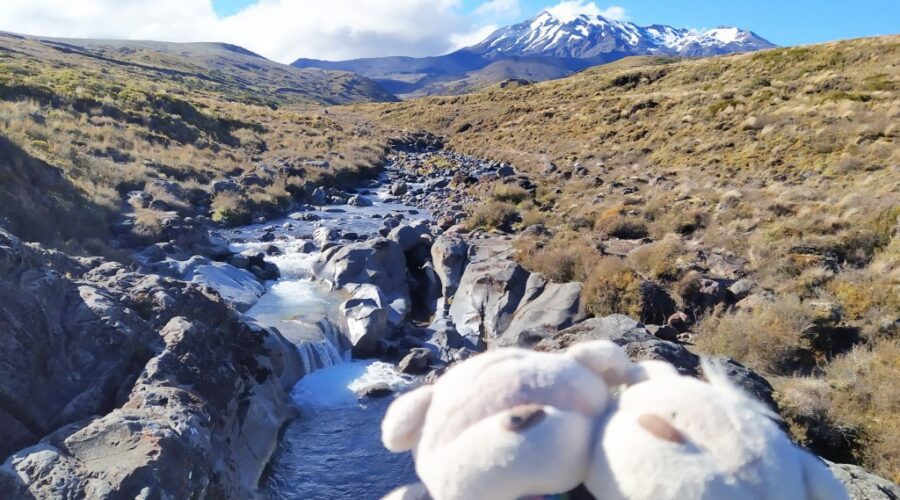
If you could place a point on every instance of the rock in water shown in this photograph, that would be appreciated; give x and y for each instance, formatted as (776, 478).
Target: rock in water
(359, 201)
(415, 363)
(366, 320)
(379, 262)
(449, 255)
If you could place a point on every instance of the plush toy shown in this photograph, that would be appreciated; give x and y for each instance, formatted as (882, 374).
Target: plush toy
(514, 423)
(507, 423)
(670, 436)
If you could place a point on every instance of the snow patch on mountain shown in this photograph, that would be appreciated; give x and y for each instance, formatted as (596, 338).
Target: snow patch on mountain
(568, 31)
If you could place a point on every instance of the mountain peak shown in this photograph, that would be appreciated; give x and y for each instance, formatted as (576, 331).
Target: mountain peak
(573, 34)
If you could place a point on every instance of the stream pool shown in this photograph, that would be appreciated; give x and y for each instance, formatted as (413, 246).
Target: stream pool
(333, 449)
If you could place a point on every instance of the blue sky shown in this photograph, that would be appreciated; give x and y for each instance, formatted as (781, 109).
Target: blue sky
(285, 30)
(785, 22)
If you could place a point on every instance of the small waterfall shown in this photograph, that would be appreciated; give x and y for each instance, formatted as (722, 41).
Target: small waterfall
(318, 354)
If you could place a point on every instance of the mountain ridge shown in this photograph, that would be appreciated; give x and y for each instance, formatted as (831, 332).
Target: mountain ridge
(546, 40)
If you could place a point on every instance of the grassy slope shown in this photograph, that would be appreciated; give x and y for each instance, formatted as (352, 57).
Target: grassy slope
(101, 118)
(787, 158)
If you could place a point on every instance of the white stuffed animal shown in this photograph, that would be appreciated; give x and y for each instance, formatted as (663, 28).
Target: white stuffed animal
(507, 423)
(514, 423)
(673, 437)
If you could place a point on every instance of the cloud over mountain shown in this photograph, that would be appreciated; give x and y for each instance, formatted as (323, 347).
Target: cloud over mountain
(279, 29)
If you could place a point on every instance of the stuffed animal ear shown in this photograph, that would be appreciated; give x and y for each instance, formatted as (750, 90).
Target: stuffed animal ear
(649, 370)
(402, 425)
(604, 358)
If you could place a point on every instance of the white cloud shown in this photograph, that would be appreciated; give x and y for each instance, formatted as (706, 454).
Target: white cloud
(473, 37)
(568, 10)
(500, 8)
(282, 30)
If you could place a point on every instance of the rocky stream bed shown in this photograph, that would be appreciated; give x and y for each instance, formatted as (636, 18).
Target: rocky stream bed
(258, 361)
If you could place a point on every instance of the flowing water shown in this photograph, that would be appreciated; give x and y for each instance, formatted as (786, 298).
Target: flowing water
(333, 450)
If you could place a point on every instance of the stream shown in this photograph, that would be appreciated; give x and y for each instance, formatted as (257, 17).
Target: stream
(333, 449)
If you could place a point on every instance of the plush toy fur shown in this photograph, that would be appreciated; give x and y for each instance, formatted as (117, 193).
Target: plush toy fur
(507, 423)
(514, 423)
(673, 437)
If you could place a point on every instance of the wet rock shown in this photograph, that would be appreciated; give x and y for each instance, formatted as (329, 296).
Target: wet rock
(323, 235)
(365, 318)
(302, 216)
(398, 189)
(416, 362)
(359, 201)
(377, 262)
(377, 390)
(318, 197)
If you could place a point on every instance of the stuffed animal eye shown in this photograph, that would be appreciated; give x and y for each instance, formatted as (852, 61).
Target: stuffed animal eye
(524, 417)
(661, 428)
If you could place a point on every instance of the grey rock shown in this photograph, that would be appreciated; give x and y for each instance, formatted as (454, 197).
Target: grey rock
(365, 318)
(398, 189)
(496, 295)
(378, 262)
(318, 197)
(862, 485)
(359, 201)
(323, 235)
(416, 362)
(641, 345)
(449, 257)
(408, 236)
(126, 398)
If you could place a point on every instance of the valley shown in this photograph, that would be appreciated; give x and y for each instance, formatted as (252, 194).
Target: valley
(217, 270)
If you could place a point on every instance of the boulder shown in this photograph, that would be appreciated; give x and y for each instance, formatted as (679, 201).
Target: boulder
(641, 345)
(124, 397)
(365, 320)
(378, 262)
(544, 310)
(318, 197)
(398, 189)
(862, 485)
(409, 236)
(323, 235)
(359, 201)
(416, 362)
(449, 257)
(238, 287)
(496, 295)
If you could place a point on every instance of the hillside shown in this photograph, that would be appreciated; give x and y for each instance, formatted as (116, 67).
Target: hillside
(83, 122)
(660, 183)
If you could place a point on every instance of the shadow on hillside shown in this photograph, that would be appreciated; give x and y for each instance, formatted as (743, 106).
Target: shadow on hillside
(38, 203)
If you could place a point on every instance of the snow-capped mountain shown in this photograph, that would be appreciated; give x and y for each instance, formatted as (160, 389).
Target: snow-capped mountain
(598, 38)
(545, 47)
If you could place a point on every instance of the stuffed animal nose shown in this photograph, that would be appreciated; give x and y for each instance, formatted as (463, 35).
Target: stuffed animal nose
(522, 418)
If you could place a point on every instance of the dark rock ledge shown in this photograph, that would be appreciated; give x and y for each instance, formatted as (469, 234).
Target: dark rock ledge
(115, 384)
